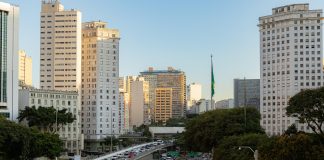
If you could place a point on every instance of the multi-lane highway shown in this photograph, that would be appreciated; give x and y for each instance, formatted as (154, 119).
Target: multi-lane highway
(134, 152)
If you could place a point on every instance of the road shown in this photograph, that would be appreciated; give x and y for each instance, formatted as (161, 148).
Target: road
(135, 149)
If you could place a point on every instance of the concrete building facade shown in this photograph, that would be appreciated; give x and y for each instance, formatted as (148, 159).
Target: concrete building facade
(60, 47)
(100, 80)
(169, 78)
(291, 54)
(247, 93)
(121, 113)
(224, 104)
(70, 133)
(193, 94)
(202, 106)
(9, 34)
(139, 101)
(25, 68)
(163, 104)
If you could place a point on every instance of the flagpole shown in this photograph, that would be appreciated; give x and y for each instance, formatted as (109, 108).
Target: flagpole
(211, 83)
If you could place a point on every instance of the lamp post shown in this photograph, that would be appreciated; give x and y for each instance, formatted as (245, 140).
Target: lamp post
(56, 124)
(255, 152)
(56, 119)
(111, 133)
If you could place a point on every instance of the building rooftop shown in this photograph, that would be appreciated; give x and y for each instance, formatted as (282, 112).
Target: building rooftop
(169, 70)
(47, 91)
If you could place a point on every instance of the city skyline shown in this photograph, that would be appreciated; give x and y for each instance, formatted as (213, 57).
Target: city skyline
(155, 47)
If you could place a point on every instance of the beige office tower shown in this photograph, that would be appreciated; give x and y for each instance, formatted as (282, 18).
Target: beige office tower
(169, 78)
(291, 54)
(124, 86)
(124, 96)
(25, 69)
(100, 83)
(139, 101)
(163, 104)
(60, 48)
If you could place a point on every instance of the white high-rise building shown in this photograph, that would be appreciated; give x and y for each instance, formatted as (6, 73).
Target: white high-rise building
(124, 88)
(9, 29)
(100, 80)
(60, 47)
(193, 94)
(194, 91)
(291, 54)
(139, 101)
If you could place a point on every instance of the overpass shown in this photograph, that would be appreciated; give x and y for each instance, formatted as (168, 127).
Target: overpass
(148, 155)
(144, 155)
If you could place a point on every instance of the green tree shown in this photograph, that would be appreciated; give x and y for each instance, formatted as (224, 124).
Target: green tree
(308, 107)
(44, 118)
(19, 142)
(291, 130)
(228, 148)
(207, 130)
(298, 146)
(125, 142)
(176, 122)
(144, 129)
(112, 139)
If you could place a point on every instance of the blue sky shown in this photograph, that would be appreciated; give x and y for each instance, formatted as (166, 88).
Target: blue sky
(178, 33)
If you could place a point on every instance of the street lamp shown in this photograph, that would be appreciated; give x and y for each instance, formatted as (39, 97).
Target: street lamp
(255, 152)
(56, 119)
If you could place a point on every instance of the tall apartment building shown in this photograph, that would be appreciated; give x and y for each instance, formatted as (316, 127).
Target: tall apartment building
(170, 78)
(163, 104)
(121, 113)
(60, 48)
(139, 101)
(125, 89)
(9, 29)
(247, 93)
(291, 54)
(124, 96)
(152, 80)
(70, 134)
(193, 94)
(25, 69)
(100, 80)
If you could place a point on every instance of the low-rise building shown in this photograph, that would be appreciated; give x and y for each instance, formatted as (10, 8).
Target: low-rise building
(225, 104)
(70, 133)
(201, 106)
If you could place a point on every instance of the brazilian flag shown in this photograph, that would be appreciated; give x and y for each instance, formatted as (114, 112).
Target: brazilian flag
(212, 79)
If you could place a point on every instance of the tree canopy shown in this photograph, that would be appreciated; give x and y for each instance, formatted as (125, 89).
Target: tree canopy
(44, 118)
(19, 142)
(176, 122)
(210, 128)
(308, 107)
(228, 148)
(298, 146)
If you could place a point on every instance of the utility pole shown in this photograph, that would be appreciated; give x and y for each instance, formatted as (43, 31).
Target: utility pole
(56, 119)
(111, 145)
(245, 103)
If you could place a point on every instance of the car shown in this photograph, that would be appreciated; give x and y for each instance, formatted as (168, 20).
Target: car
(160, 141)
